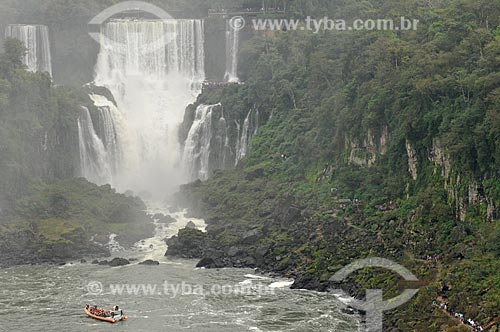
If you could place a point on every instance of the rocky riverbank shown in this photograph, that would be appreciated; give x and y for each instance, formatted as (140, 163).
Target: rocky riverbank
(256, 223)
(70, 220)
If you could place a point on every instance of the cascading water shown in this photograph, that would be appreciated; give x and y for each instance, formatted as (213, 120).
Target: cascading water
(213, 144)
(154, 69)
(242, 146)
(109, 129)
(232, 50)
(94, 161)
(250, 128)
(36, 40)
(197, 147)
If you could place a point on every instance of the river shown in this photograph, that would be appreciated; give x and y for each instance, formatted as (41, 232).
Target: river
(174, 296)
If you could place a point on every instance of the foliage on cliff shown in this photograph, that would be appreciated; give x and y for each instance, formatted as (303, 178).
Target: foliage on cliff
(58, 221)
(39, 219)
(427, 100)
(37, 127)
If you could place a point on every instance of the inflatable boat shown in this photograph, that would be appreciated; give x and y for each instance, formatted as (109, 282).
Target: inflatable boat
(113, 316)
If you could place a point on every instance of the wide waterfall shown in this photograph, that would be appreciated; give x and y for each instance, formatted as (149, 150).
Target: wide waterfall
(154, 69)
(214, 143)
(36, 40)
(232, 52)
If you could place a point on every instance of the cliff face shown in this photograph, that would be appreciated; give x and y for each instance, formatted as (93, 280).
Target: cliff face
(370, 148)
(465, 190)
(365, 153)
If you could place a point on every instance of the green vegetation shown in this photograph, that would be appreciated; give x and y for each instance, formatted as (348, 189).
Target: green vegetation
(41, 216)
(37, 127)
(428, 99)
(60, 219)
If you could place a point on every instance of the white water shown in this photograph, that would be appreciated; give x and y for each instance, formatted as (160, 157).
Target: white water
(94, 162)
(232, 52)
(36, 40)
(154, 69)
(211, 146)
(111, 122)
(197, 147)
(243, 144)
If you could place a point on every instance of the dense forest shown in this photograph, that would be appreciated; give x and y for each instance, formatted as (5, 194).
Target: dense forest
(377, 143)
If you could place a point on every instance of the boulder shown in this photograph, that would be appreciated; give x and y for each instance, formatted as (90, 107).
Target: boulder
(167, 220)
(207, 263)
(118, 262)
(189, 243)
(250, 237)
(234, 251)
(104, 262)
(191, 225)
(262, 250)
(150, 262)
(95, 262)
(158, 216)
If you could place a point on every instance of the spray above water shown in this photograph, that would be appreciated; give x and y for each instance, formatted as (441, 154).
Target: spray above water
(154, 69)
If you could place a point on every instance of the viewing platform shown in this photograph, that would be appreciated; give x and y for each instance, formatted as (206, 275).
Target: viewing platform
(245, 11)
(213, 84)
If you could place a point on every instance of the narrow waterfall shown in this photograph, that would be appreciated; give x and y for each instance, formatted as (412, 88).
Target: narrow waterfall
(153, 69)
(197, 148)
(36, 40)
(94, 161)
(250, 128)
(109, 129)
(213, 143)
(232, 50)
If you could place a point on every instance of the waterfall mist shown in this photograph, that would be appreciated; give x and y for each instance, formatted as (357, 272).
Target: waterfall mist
(154, 69)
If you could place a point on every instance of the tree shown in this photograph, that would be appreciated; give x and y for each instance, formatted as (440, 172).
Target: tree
(11, 59)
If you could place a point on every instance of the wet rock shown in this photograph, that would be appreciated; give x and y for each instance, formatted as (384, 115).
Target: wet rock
(250, 237)
(150, 262)
(234, 251)
(262, 250)
(104, 262)
(207, 263)
(95, 262)
(166, 220)
(119, 262)
(191, 225)
(189, 243)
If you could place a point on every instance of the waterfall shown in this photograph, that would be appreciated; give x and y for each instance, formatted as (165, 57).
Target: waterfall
(232, 48)
(36, 40)
(94, 161)
(213, 143)
(243, 144)
(109, 129)
(154, 69)
(197, 148)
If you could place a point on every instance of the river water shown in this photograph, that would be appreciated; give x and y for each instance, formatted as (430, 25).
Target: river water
(174, 296)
